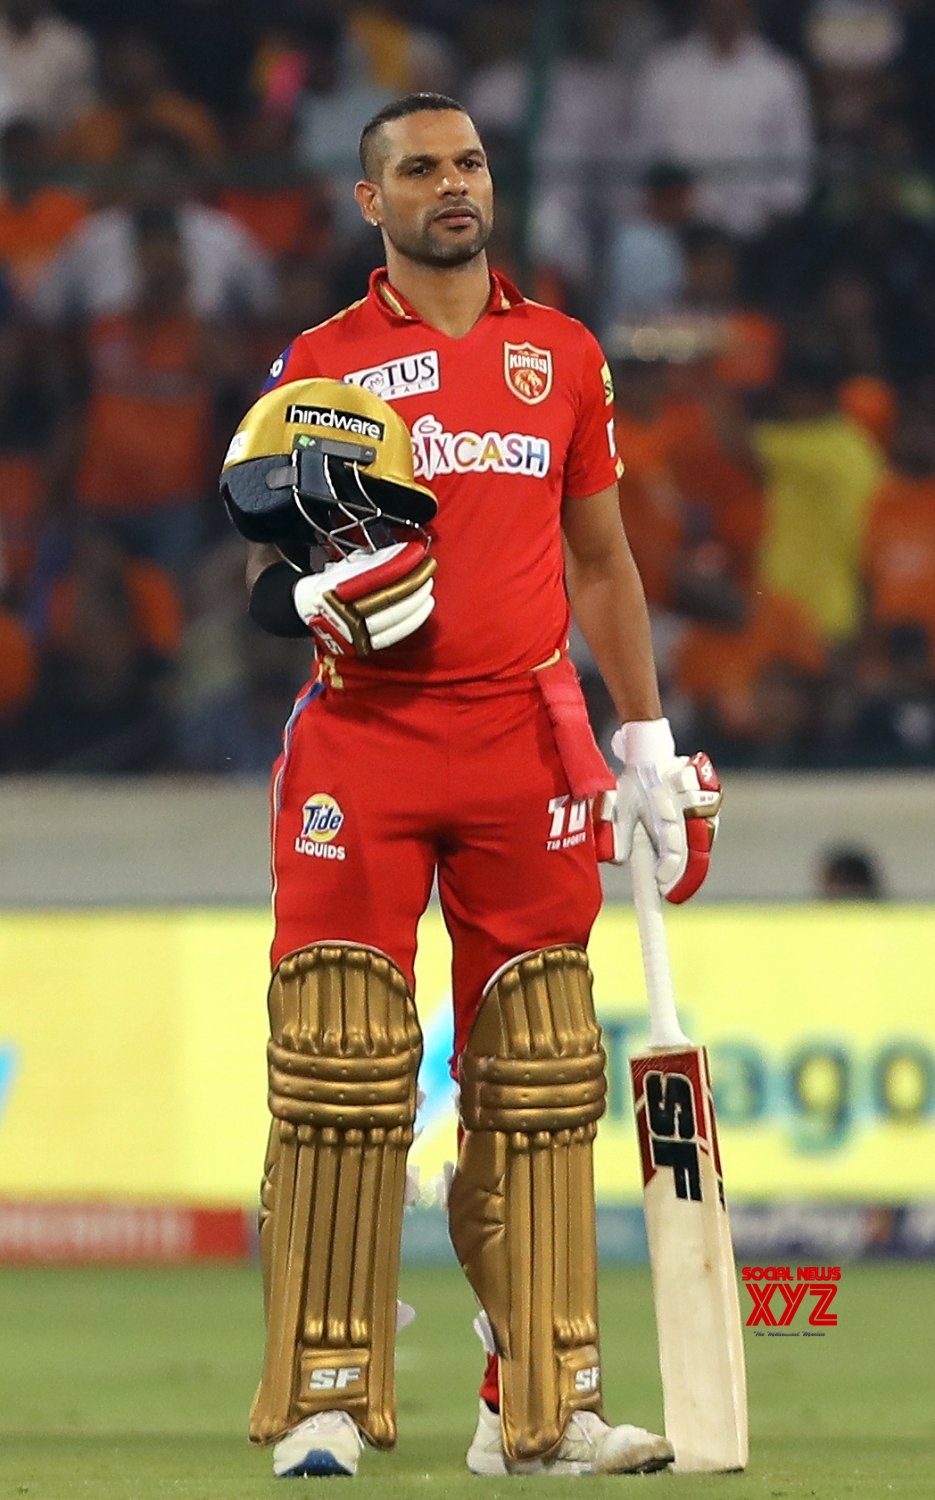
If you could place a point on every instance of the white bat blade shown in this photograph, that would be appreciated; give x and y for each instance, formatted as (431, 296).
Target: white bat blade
(697, 1307)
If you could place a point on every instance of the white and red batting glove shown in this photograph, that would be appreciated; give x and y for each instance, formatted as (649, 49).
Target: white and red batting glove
(369, 600)
(676, 798)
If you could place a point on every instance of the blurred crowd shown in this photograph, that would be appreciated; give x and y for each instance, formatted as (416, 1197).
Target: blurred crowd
(739, 198)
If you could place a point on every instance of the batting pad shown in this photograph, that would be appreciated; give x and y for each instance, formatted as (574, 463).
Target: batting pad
(343, 1054)
(522, 1201)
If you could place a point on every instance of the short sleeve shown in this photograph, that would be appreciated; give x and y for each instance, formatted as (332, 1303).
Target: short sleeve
(294, 363)
(593, 463)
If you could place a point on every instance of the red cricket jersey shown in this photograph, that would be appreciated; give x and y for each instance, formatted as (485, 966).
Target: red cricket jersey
(505, 422)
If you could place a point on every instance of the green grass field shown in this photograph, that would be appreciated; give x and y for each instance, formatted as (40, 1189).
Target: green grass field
(131, 1384)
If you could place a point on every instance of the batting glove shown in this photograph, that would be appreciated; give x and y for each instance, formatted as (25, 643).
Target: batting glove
(676, 798)
(369, 600)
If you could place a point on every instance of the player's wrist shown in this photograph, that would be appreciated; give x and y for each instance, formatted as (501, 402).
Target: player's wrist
(272, 602)
(644, 742)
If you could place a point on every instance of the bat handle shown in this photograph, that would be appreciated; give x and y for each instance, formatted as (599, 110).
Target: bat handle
(664, 1027)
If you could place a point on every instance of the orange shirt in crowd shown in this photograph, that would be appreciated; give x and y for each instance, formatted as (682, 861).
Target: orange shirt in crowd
(709, 478)
(752, 350)
(899, 551)
(871, 402)
(32, 229)
(284, 220)
(148, 424)
(156, 608)
(718, 668)
(20, 515)
(650, 503)
(18, 665)
(102, 134)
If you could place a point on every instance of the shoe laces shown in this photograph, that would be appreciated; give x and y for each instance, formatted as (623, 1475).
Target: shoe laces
(331, 1421)
(588, 1423)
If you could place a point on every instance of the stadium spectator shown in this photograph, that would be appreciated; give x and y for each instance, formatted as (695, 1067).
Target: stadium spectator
(895, 720)
(112, 629)
(821, 471)
(784, 729)
(915, 70)
(850, 48)
(727, 103)
(136, 95)
(645, 260)
(95, 271)
(208, 45)
(398, 53)
(873, 404)
(576, 141)
(141, 443)
(848, 873)
(46, 65)
(303, 297)
(26, 414)
(651, 500)
(235, 726)
(18, 678)
(210, 662)
(899, 548)
(890, 251)
(691, 494)
(846, 322)
(273, 196)
(154, 602)
(720, 669)
(746, 342)
(36, 215)
(715, 463)
(336, 94)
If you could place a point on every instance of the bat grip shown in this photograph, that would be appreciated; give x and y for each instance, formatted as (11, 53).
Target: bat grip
(664, 1028)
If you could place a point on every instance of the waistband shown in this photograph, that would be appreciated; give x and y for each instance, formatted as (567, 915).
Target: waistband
(523, 685)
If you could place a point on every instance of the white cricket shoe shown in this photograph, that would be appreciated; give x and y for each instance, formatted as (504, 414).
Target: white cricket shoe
(589, 1446)
(324, 1445)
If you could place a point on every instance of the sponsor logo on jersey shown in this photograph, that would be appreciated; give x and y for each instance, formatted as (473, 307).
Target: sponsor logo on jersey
(336, 421)
(528, 372)
(608, 383)
(322, 821)
(409, 376)
(437, 451)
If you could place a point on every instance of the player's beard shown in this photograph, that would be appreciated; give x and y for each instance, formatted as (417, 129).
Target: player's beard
(428, 246)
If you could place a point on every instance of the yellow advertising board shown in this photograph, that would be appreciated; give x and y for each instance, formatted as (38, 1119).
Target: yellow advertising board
(132, 1050)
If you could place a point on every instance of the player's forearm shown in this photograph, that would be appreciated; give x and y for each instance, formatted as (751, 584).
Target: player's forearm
(609, 605)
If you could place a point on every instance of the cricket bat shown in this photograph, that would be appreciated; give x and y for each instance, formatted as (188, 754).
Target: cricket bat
(691, 1255)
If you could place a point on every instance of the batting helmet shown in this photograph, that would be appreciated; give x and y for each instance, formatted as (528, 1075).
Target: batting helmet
(318, 462)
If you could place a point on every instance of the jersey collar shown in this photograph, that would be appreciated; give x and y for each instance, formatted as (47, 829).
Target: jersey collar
(503, 296)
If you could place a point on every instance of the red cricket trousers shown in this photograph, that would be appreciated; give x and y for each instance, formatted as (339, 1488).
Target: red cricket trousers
(379, 789)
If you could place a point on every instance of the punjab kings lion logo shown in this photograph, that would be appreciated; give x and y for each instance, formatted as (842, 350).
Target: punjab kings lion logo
(528, 372)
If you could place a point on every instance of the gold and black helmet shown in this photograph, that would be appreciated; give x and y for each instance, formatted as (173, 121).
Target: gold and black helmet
(321, 463)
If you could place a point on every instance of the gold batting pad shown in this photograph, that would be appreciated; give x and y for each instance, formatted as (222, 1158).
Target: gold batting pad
(344, 1053)
(522, 1202)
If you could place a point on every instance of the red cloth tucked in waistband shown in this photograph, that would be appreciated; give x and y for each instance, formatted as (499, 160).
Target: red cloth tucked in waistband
(587, 771)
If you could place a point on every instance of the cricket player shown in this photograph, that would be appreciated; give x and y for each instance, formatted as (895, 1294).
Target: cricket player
(449, 445)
